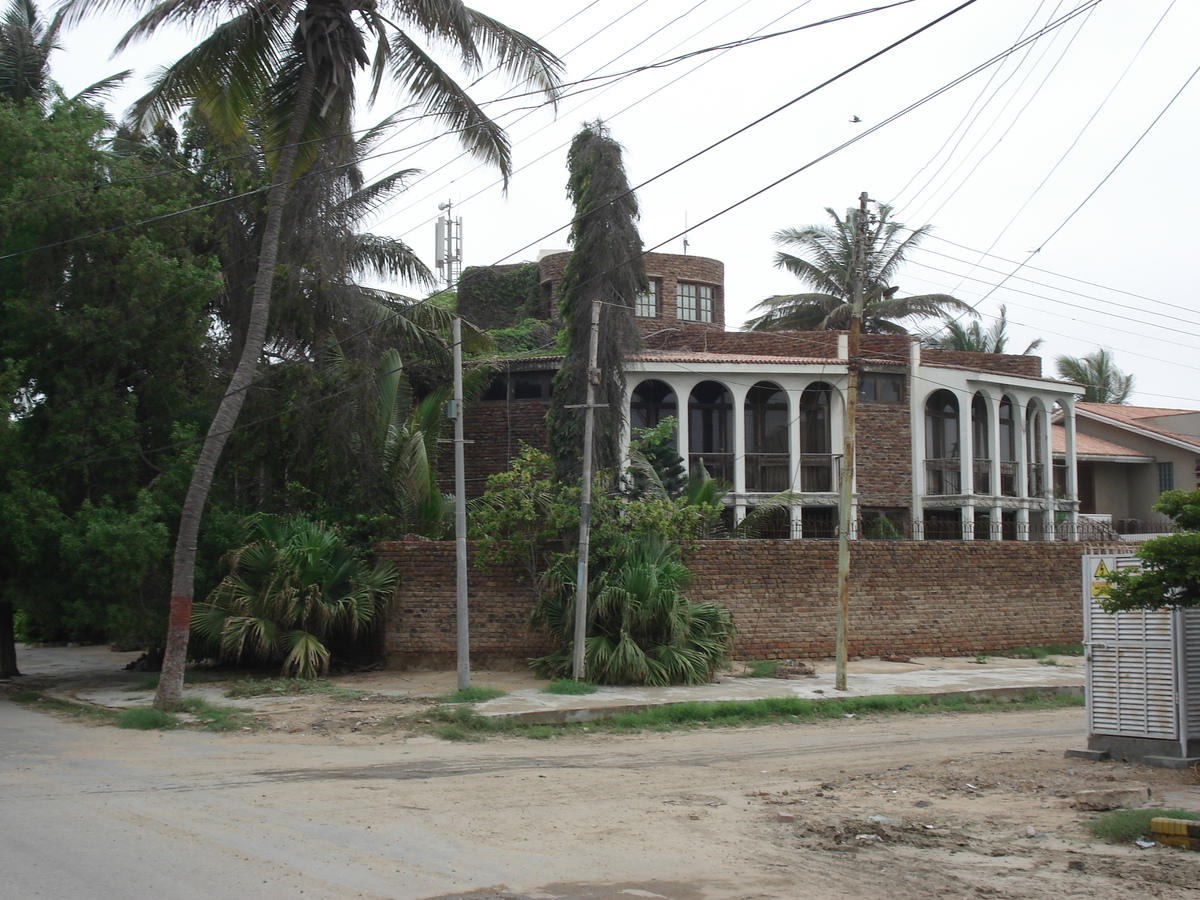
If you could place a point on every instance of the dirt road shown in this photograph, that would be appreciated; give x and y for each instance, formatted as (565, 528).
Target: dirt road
(903, 807)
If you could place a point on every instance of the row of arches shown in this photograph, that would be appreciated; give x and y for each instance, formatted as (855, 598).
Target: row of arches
(985, 455)
(766, 433)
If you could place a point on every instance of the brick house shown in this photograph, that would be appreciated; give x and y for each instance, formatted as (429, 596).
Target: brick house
(951, 445)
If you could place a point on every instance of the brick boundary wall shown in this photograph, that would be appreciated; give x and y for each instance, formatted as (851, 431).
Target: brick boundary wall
(909, 598)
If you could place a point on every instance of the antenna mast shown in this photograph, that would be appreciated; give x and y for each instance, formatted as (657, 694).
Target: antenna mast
(448, 237)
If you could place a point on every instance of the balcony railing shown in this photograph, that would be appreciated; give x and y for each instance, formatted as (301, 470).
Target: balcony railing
(982, 470)
(767, 472)
(718, 465)
(819, 472)
(1008, 478)
(1037, 480)
(943, 476)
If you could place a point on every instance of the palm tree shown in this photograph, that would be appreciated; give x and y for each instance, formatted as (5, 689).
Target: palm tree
(974, 338)
(26, 42)
(292, 66)
(1097, 372)
(824, 260)
(292, 588)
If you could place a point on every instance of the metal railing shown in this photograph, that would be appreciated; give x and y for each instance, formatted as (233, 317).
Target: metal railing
(943, 476)
(819, 472)
(1008, 478)
(981, 468)
(768, 472)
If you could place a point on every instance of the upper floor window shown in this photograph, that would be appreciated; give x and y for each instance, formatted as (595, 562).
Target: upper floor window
(647, 303)
(880, 387)
(694, 302)
(1166, 476)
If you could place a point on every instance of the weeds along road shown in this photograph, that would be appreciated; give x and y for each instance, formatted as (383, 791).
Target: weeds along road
(97, 812)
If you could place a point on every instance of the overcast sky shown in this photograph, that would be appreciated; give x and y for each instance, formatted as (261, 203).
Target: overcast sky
(1002, 164)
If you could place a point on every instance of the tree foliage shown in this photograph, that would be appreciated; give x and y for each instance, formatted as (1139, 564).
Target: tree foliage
(1170, 574)
(822, 258)
(1098, 373)
(606, 264)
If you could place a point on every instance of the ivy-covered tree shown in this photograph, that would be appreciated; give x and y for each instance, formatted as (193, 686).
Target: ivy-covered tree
(606, 264)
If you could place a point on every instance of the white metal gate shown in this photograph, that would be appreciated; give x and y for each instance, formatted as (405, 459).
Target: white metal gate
(1143, 666)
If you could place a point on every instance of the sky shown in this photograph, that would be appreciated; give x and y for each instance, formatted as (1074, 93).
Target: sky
(1060, 181)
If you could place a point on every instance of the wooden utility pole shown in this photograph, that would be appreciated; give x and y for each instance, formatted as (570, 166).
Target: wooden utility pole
(578, 666)
(846, 486)
(460, 518)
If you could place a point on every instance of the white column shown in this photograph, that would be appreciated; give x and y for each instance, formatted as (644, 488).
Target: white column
(1071, 459)
(996, 532)
(966, 462)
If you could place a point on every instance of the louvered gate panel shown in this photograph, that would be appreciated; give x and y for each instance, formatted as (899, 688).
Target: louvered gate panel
(1190, 640)
(1131, 677)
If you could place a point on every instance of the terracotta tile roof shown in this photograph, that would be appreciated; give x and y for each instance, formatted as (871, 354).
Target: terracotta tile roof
(1134, 416)
(1087, 445)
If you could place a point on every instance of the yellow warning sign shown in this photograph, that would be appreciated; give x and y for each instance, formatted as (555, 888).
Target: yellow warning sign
(1100, 585)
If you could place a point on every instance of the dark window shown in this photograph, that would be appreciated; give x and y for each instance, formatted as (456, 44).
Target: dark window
(1166, 476)
(819, 522)
(766, 422)
(878, 387)
(710, 430)
(943, 525)
(817, 463)
(942, 469)
(531, 386)
(651, 402)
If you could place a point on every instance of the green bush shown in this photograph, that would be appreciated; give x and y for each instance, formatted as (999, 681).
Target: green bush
(642, 629)
(472, 695)
(569, 687)
(295, 585)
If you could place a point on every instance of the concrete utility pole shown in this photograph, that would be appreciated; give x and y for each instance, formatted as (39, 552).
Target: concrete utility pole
(460, 518)
(578, 666)
(846, 486)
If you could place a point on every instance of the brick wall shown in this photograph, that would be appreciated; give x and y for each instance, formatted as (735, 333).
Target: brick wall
(494, 431)
(884, 455)
(907, 598)
(1003, 363)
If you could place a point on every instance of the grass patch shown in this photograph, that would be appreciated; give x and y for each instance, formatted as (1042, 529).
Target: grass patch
(471, 695)
(221, 718)
(569, 687)
(66, 708)
(732, 714)
(1046, 651)
(762, 668)
(1124, 826)
(257, 687)
(146, 718)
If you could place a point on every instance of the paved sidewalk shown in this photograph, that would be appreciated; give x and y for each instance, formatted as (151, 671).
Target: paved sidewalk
(95, 675)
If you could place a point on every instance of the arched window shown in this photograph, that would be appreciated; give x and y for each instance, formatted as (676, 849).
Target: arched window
(942, 469)
(766, 421)
(1035, 449)
(982, 462)
(650, 403)
(816, 439)
(1008, 448)
(710, 430)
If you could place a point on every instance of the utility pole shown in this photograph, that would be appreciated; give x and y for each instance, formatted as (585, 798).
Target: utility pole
(460, 519)
(846, 486)
(578, 666)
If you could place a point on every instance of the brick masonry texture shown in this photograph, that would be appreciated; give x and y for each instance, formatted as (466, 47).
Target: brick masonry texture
(883, 463)
(911, 598)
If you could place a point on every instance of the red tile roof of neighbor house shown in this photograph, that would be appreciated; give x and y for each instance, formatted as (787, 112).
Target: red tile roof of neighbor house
(699, 356)
(1134, 416)
(1087, 446)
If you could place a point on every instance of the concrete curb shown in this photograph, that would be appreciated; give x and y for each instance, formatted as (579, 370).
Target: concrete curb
(581, 714)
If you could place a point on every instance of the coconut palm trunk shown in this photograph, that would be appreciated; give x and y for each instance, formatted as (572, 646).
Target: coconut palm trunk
(170, 684)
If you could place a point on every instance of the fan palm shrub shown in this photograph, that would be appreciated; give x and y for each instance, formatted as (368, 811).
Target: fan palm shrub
(642, 628)
(295, 585)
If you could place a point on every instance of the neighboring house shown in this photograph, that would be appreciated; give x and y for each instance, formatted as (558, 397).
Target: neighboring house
(951, 445)
(1127, 456)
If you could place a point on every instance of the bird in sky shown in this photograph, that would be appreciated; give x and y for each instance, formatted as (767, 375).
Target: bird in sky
(856, 119)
